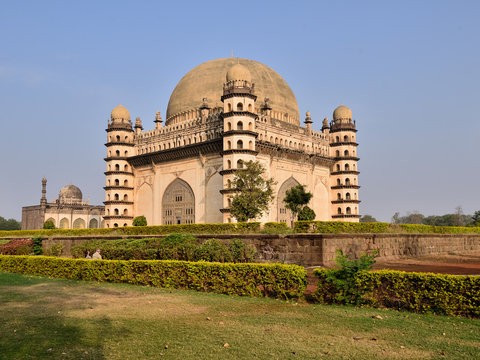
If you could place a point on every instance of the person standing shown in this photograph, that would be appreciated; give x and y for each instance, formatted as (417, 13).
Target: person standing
(97, 255)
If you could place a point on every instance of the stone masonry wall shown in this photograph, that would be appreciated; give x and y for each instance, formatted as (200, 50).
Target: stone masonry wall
(319, 249)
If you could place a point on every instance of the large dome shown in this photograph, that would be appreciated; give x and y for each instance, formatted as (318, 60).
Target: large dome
(70, 193)
(207, 79)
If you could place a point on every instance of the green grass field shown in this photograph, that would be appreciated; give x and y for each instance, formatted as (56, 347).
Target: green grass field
(56, 319)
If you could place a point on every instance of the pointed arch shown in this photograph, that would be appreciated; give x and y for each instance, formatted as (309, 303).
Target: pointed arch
(284, 214)
(64, 223)
(93, 224)
(178, 203)
(78, 224)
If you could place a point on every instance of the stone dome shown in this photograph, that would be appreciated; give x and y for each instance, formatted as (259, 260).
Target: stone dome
(238, 72)
(120, 113)
(70, 193)
(206, 81)
(342, 112)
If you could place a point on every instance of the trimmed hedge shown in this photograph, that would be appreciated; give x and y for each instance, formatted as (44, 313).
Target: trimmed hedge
(416, 292)
(17, 247)
(338, 227)
(271, 280)
(227, 228)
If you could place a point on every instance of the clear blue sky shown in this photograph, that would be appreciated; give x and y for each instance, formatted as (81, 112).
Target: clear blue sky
(409, 70)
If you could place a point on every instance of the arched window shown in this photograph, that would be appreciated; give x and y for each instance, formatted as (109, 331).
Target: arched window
(337, 139)
(338, 167)
(345, 153)
(239, 106)
(338, 182)
(229, 125)
(347, 167)
(125, 183)
(116, 212)
(347, 196)
(347, 181)
(239, 125)
(339, 196)
(108, 211)
(250, 126)
(339, 211)
(250, 145)
(229, 145)
(239, 144)
(337, 153)
(126, 153)
(125, 197)
(239, 164)
(117, 182)
(229, 164)
(276, 140)
(229, 184)
(250, 107)
(117, 152)
(229, 107)
(349, 211)
(124, 224)
(117, 167)
(345, 138)
(178, 204)
(115, 225)
(117, 197)
(125, 212)
(125, 168)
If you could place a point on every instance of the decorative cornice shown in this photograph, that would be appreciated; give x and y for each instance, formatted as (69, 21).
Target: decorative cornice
(344, 201)
(345, 172)
(108, 158)
(118, 128)
(224, 210)
(239, 151)
(188, 151)
(240, 113)
(113, 202)
(228, 191)
(108, 144)
(338, 158)
(240, 132)
(345, 187)
(238, 92)
(108, 217)
(348, 143)
(114, 187)
(115, 172)
(276, 150)
(345, 216)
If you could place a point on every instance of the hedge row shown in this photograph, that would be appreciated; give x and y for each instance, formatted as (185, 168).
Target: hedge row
(417, 292)
(229, 228)
(271, 280)
(337, 227)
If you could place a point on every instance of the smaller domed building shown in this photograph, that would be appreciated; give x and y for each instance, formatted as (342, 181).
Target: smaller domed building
(69, 211)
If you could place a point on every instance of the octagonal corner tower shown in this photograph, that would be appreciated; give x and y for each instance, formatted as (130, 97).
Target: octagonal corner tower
(206, 82)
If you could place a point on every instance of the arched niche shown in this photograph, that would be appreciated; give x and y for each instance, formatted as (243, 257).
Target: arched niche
(284, 214)
(64, 223)
(93, 224)
(79, 224)
(178, 204)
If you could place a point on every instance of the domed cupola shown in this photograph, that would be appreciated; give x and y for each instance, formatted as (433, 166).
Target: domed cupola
(120, 113)
(342, 112)
(70, 194)
(238, 72)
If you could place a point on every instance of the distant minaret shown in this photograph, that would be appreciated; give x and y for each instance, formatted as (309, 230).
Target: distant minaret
(43, 200)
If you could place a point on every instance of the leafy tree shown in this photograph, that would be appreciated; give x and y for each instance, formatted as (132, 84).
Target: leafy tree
(140, 221)
(10, 224)
(253, 194)
(367, 219)
(306, 214)
(49, 225)
(476, 218)
(296, 198)
(396, 218)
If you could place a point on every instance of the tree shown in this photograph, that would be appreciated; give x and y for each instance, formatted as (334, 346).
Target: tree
(476, 218)
(396, 218)
(140, 221)
(296, 198)
(49, 225)
(10, 224)
(367, 219)
(253, 193)
(306, 214)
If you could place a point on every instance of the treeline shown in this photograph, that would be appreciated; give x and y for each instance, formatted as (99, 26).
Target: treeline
(456, 219)
(10, 224)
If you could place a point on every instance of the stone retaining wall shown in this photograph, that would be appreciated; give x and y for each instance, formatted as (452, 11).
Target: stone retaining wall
(319, 249)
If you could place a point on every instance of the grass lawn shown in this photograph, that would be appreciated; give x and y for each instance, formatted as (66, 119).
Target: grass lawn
(58, 319)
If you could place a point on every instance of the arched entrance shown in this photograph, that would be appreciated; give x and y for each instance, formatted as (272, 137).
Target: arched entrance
(284, 214)
(178, 204)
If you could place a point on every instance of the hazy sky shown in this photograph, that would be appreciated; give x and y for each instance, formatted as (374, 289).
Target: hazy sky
(409, 70)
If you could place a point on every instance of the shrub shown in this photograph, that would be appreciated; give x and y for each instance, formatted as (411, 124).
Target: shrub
(213, 250)
(48, 225)
(17, 247)
(54, 250)
(454, 295)
(37, 245)
(140, 221)
(343, 278)
(276, 228)
(241, 252)
(272, 280)
(177, 247)
(306, 214)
